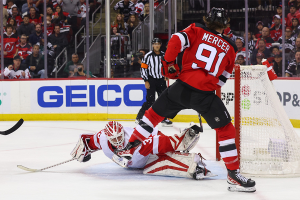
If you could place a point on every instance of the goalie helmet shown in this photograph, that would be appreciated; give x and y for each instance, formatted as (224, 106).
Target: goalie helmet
(217, 15)
(115, 133)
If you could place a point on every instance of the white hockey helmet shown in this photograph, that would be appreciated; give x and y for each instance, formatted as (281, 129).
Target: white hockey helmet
(115, 133)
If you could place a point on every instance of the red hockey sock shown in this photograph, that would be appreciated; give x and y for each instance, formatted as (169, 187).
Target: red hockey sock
(227, 148)
(153, 117)
(136, 136)
(146, 126)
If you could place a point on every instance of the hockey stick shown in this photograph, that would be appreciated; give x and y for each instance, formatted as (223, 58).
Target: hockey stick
(200, 121)
(39, 170)
(12, 129)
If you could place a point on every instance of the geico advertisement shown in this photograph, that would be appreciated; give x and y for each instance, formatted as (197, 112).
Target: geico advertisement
(287, 92)
(88, 96)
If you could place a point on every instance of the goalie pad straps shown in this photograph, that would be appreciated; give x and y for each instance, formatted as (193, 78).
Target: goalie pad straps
(146, 125)
(227, 148)
(172, 164)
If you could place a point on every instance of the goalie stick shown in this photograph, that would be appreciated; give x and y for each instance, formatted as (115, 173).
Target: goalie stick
(12, 129)
(39, 170)
(200, 121)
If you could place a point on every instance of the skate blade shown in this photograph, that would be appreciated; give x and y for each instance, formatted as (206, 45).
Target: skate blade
(167, 125)
(238, 188)
(207, 176)
(120, 161)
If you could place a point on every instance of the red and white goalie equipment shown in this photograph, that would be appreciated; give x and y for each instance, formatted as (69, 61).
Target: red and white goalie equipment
(158, 155)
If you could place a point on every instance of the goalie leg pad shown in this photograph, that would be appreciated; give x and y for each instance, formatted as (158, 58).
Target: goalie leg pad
(173, 164)
(187, 139)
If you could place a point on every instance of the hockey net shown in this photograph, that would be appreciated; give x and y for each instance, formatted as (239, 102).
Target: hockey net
(266, 140)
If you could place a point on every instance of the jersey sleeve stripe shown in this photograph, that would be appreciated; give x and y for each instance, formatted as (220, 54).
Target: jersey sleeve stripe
(222, 80)
(96, 140)
(155, 144)
(184, 40)
(226, 74)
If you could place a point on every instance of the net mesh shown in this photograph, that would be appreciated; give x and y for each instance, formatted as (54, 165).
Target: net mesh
(269, 144)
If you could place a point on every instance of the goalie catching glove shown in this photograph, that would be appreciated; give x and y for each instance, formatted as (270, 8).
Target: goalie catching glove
(82, 151)
(170, 69)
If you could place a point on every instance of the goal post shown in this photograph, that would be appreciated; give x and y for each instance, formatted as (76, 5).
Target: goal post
(266, 141)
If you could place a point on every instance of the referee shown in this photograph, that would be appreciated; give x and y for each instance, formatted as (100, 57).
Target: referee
(154, 80)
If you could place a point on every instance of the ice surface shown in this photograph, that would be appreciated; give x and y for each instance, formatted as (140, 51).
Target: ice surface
(41, 144)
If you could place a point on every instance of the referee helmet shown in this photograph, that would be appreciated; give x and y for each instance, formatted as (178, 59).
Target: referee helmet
(156, 40)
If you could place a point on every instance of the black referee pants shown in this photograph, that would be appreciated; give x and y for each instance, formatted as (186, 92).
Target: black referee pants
(156, 85)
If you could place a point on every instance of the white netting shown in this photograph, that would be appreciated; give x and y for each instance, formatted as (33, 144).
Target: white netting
(269, 144)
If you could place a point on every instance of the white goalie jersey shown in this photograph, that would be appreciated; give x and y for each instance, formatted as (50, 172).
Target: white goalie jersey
(101, 142)
(152, 154)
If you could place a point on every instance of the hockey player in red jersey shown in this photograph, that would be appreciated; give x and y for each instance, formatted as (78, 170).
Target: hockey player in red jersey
(157, 155)
(207, 63)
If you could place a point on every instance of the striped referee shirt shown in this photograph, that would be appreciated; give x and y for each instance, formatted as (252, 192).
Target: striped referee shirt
(151, 65)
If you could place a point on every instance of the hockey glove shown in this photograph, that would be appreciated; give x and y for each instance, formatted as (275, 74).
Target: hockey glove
(170, 69)
(82, 151)
(271, 73)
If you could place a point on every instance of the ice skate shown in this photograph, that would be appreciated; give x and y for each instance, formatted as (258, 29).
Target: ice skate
(201, 173)
(167, 122)
(238, 183)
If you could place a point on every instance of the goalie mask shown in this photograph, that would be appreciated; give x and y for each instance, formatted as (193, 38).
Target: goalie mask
(115, 133)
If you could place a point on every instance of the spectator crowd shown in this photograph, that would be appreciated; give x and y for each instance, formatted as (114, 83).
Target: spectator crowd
(266, 42)
(129, 15)
(23, 36)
